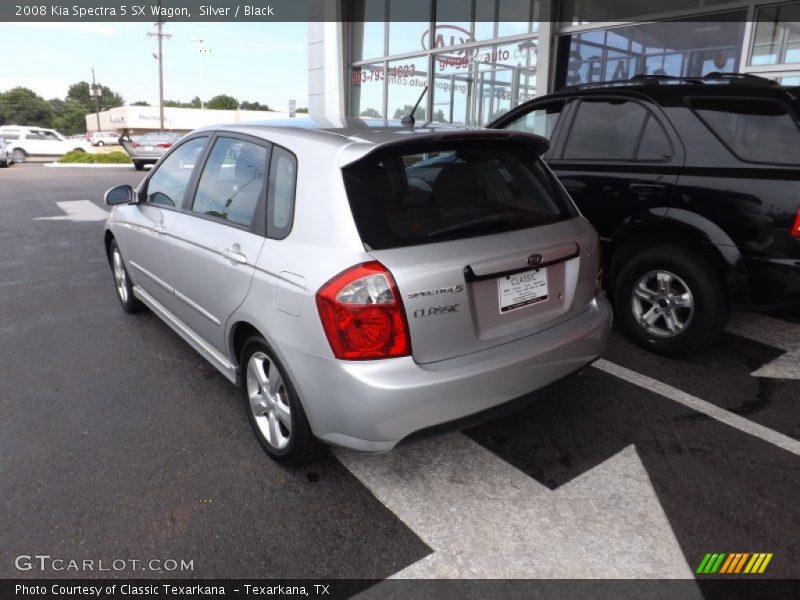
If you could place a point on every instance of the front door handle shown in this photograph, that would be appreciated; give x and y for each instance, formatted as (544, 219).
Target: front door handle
(647, 189)
(160, 229)
(234, 255)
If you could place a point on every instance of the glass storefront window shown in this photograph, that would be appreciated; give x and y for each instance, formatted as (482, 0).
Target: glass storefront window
(367, 30)
(474, 86)
(582, 12)
(777, 35)
(366, 90)
(405, 81)
(407, 36)
(676, 48)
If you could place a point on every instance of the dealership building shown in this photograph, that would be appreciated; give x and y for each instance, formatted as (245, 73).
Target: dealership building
(479, 58)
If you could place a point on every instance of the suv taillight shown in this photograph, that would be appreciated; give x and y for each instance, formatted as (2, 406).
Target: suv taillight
(796, 226)
(362, 314)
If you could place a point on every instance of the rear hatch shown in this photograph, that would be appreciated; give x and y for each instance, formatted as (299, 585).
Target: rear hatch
(483, 243)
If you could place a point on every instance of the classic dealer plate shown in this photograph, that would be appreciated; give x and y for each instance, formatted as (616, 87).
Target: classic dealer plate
(522, 289)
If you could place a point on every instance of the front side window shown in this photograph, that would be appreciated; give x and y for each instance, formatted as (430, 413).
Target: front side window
(755, 130)
(450, 190)
(168, 183)
(605, 130)
(232, 181)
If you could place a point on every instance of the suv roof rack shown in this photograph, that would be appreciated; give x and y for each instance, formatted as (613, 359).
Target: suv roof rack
(715, 77)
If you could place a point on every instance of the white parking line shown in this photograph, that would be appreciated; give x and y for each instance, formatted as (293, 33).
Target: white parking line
(771, 332)
(707, 408)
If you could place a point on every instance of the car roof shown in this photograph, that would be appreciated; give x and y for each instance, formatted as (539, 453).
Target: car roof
(353, 138)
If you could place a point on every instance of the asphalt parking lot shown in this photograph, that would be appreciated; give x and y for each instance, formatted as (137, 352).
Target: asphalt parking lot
(119, 441)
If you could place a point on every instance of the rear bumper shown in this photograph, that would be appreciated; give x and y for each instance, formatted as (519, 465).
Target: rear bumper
(371, 406)
(774, 282)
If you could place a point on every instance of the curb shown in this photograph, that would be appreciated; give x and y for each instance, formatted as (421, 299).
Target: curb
(58, 165)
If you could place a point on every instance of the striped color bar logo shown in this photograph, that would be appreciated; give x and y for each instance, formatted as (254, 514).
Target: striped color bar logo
(734, 563)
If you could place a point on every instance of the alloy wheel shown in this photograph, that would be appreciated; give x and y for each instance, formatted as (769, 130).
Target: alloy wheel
(120, 277)
(662, 304)
(269, 401)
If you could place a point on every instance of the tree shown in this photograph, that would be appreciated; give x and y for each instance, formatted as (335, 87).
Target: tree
(371, 113)
(419, 114)
(253, 106)
(23, 106)
(81, 92)
(140, 103)
(195, 103)
(69, 116)
(223, 102)
(303, 110)
(173, 103)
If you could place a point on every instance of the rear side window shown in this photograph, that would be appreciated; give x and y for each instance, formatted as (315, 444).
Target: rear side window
(755, 130)
(605, 130)
(282, 181)
(541, 120)
(445, 191)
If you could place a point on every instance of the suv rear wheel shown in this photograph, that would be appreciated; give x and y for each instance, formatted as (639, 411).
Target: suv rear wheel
(670, 300)
(18, 156)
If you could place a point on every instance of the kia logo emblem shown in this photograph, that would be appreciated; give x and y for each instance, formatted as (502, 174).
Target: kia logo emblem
(535, 259)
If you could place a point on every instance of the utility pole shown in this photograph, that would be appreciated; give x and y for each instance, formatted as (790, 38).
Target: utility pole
(96, 98)
(203, 52)
(160, 35)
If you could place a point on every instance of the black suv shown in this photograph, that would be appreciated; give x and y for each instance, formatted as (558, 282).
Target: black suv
(694, 186)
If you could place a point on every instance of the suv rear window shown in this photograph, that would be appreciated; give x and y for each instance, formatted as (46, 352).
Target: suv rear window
(445, 191)
(755, 130)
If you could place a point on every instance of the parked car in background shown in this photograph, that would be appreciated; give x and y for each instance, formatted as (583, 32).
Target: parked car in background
(5, 153)
(354, 298)
(28, 142)
(148, 148)
(102, 138)
(694, 186)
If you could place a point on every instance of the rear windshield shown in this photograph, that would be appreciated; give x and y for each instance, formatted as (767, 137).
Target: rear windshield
(446, 190)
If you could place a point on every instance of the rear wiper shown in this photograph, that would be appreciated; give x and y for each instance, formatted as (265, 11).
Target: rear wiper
(479, 222)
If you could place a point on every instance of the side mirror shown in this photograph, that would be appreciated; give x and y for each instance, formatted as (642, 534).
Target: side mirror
(122, 194)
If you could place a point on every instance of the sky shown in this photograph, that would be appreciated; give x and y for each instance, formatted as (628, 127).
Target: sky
(257, 62)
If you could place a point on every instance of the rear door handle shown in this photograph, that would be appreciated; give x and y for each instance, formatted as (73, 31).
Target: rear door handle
(234, 255)
(647, 188)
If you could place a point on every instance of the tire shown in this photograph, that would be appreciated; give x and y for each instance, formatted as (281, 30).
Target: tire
(272, 403)
(138, 165)
(101, 144)
(122, 280)
(670, 300)
(19, 155)
(78, 150)
(4, 164)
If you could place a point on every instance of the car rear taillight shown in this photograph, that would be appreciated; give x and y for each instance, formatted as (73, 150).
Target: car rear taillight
(796, 226)
(164, 145)
(135, 145)
(362, 314)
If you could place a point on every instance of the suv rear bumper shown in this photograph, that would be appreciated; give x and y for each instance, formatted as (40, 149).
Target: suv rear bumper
(774, 283)
(373, 405)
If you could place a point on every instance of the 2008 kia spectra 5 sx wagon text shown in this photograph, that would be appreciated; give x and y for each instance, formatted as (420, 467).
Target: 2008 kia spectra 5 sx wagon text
(365, 282)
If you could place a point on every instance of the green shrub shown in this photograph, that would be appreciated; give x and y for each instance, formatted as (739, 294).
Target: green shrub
(76, 156)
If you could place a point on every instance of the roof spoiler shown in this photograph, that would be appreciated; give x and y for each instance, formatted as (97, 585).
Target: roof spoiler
(537, 143)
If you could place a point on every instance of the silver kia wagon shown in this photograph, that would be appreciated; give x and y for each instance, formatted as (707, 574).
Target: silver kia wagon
(366, 281)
